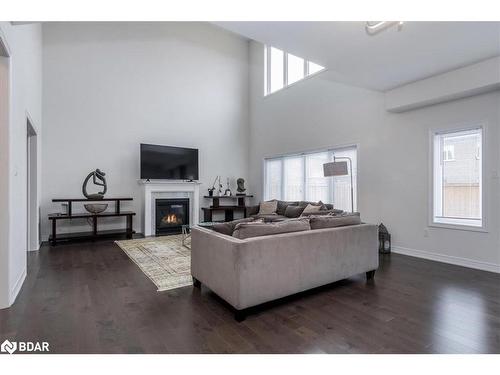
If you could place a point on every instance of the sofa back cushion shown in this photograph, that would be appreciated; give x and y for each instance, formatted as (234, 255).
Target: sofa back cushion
(282, 205)
(248, 230)
(294, 211)
(228, 228)
(321, 222)
(268, 207)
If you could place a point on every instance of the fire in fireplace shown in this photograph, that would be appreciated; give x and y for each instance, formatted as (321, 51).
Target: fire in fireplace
(171, 214)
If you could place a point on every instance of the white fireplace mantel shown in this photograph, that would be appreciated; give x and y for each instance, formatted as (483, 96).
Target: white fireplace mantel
(168, 189)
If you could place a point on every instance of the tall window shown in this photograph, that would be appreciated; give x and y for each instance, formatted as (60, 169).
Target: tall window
(300, 177)
(282, 69)
(457, 180)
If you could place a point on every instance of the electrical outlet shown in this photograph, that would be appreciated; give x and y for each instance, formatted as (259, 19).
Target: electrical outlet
(426, 232)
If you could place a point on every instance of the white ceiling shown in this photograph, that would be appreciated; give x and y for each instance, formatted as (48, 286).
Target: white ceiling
(386, 60)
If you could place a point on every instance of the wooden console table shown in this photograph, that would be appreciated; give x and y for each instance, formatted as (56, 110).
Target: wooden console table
(228, 210)
(54, 238)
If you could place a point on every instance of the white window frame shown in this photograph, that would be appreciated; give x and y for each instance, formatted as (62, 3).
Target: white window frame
(459, 223)
(267, 71)
(330, 180)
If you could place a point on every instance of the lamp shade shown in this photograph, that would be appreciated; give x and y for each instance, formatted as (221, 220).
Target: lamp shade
(336, 168)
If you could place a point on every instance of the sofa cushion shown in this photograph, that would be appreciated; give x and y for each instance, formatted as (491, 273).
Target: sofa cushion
(310, 209)
(329, 221)
(324, 212)
(269, 218)
(228, 228)
(282, 205)
(294, 211)
(252, 210)
(268, 207)
(248, 230)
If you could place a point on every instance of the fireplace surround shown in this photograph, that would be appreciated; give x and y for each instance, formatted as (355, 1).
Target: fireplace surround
(154, 190)
(171, 214)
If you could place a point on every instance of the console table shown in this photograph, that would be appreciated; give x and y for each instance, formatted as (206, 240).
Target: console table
(227, 209)
(54, 238)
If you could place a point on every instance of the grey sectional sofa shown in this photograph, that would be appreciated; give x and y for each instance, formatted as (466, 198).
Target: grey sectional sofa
(248, 272)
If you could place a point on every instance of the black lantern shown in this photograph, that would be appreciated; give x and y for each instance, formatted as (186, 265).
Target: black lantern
(384, 240)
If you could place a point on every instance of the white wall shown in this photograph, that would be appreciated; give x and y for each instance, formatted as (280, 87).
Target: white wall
(25, 98)
(393, 170)
(110, 86)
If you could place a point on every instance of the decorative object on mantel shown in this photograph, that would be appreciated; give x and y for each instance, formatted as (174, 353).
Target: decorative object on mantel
(220, 187)
(96, 208)
(212, 189)
(241, 186)
(99, 180)
(384, 240)
(228, 192)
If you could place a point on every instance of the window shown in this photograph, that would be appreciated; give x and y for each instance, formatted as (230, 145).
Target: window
(276, 60)
(274, 169)
(300, 177)
(313, 68)
(457, 180)
(282, 69)
(295, 66)
(449, 152)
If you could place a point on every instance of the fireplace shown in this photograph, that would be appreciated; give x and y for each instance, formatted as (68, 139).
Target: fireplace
(171, 214)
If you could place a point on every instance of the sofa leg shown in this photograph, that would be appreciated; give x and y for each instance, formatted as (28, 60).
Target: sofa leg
(239, 315)
(370, 275)
(196, 283)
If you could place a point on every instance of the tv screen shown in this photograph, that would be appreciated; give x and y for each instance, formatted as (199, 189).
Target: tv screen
(168, 163)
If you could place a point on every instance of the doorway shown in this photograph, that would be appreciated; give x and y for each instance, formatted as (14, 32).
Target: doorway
(33, 217)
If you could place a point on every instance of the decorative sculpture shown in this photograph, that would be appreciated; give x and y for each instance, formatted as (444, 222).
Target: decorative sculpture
(220, 188)
(212, 189)
(228, 192)
(241, 186)
(99, 180)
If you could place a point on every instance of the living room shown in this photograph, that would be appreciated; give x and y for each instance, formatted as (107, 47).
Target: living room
(250, 187)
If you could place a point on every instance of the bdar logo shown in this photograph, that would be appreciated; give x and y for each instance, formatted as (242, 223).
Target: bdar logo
(8, 347)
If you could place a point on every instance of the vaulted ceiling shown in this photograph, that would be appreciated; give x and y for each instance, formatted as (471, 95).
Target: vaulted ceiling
(383, 61)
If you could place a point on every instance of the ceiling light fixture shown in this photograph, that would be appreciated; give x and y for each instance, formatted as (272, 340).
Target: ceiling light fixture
(373, 28)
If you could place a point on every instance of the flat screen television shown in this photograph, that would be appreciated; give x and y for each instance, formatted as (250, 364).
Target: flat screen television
(168, 163)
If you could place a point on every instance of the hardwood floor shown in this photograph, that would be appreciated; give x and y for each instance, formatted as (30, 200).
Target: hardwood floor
(90, 298)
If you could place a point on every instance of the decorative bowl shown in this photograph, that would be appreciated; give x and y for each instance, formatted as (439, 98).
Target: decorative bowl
(96, 208)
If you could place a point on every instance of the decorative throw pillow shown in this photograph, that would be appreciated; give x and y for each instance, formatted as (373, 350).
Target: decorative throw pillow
(294, 211)
(268, 208)
(306, 203)
(310, 209)
(282, 205)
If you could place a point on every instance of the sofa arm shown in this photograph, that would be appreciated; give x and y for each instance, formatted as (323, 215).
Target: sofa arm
(215, 262)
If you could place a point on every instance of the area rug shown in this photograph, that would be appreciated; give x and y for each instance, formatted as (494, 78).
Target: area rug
(163, 259)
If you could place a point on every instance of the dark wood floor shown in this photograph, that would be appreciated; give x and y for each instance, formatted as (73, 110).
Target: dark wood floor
(90, 298)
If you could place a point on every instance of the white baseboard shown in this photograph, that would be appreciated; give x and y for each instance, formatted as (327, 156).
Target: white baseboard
(17, 287)
(458, 261)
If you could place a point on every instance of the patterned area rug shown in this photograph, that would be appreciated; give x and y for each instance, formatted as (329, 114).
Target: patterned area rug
(163, 259)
